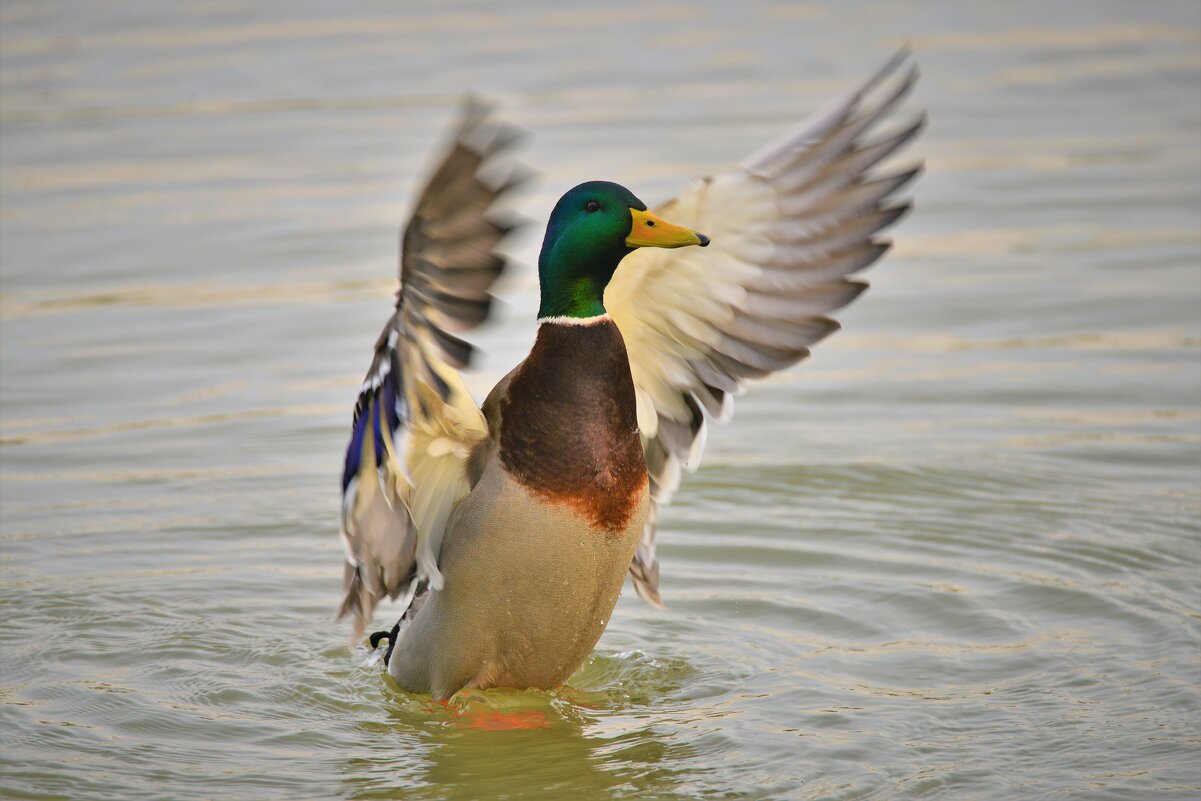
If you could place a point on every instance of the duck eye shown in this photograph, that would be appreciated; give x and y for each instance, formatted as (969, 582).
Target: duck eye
(592, 205)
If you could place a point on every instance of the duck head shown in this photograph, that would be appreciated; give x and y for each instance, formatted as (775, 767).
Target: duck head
(592, 228)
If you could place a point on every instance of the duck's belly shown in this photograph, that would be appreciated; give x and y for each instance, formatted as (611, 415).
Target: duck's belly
(529, 589)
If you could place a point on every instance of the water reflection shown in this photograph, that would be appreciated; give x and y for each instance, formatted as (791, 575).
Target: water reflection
(502, 744)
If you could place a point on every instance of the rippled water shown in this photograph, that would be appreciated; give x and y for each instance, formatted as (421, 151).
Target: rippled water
(954, 556)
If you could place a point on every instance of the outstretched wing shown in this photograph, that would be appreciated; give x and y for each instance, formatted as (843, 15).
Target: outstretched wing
(415, 422)
(787, 226)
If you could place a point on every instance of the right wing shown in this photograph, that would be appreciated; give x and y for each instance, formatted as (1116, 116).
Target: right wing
(791, 228)
(415, 423)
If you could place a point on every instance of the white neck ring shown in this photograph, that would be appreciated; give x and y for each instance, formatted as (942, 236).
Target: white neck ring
(565, 320)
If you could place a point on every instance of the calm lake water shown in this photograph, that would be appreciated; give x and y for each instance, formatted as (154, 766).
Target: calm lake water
(955, 555)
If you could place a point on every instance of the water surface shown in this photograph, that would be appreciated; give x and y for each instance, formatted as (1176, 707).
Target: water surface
(954, 555)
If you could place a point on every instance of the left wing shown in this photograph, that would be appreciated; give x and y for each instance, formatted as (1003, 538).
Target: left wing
(787, 226)
(415, 422)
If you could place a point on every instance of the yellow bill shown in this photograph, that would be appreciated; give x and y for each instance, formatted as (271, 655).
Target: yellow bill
(649, 231)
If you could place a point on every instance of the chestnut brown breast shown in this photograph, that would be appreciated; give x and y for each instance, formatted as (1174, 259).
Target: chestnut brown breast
(569, 424)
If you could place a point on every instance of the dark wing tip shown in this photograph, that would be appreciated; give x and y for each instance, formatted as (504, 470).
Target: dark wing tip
(450, 251)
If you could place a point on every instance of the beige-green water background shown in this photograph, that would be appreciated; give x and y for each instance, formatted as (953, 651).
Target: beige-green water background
(955, 555)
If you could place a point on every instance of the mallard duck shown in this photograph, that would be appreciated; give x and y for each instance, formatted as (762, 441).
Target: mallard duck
(506, 531)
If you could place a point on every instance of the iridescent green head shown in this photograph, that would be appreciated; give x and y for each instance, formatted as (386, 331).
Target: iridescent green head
(592, 228)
